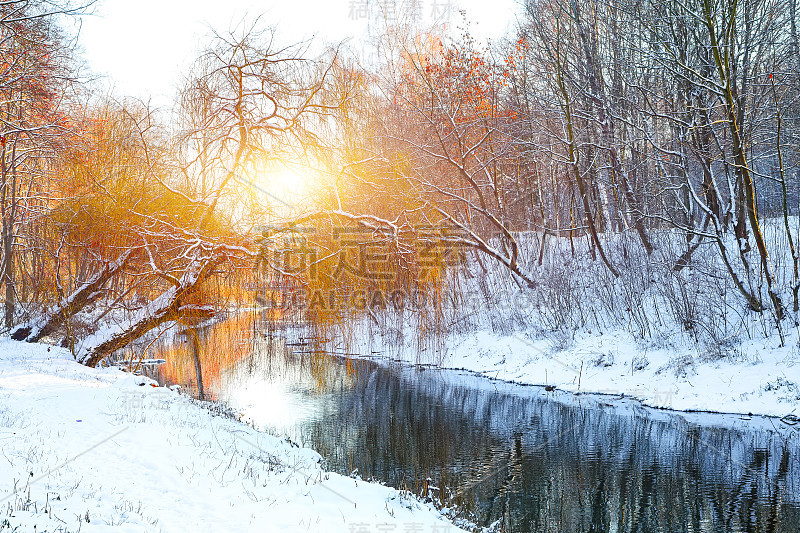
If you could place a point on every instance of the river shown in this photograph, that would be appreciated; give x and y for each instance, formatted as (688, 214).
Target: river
(506, 456)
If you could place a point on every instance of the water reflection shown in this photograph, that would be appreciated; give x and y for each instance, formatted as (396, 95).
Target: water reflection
(509, 456)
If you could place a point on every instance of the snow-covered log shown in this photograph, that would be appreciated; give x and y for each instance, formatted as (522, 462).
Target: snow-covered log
(53, 318)
(167, 307)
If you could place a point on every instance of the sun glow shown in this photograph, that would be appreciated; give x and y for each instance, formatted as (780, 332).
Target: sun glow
(285, 186)
(288, 183)
(275, 191)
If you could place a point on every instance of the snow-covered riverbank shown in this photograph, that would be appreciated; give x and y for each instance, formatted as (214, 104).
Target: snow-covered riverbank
(676, 338)
(759, 378)
(85, 449)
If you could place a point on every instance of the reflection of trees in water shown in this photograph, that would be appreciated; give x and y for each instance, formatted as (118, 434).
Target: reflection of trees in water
(565, 492)
(212, 348)
(241, 339)
(538, 465)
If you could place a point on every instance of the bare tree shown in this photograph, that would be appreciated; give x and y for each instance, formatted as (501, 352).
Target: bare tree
(35, 73)
(245, 97)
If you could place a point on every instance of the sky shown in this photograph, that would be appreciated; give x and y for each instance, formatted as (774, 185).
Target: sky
(142, 47)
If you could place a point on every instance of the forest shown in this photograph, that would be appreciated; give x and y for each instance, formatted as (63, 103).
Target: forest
(608, 164)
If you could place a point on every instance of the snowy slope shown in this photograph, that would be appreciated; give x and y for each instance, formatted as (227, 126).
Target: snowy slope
(761, 378)
(683, 340)
(87, 449)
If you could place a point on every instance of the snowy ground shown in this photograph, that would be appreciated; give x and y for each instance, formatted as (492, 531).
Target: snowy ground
(758, 378)
(87, 449)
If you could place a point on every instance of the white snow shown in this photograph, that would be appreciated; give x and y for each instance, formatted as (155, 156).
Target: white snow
(679, 340)
(86, 449)
(613, 363)
(760, 378)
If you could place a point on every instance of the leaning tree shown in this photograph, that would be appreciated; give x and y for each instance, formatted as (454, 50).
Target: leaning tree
(244, 98)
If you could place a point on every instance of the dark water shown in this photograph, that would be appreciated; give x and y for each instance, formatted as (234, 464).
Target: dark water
(518, 458)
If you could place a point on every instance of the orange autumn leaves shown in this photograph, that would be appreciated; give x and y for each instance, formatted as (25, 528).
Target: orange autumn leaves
(466, 82)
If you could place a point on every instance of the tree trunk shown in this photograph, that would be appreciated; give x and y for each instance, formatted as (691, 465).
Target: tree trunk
(84, 295)
(168, 307)
(198, 370)
(735, 123)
